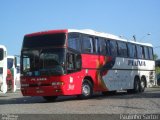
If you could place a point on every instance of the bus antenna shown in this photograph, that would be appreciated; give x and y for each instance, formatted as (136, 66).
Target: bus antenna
(134, 38)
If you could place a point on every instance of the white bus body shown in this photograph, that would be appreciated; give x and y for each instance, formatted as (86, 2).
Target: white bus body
(17, 81)
(11, 61)
(3, 69)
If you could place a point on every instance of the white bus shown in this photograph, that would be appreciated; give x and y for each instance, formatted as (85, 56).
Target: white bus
(12, 66)
(17, 80)
(3, 69)
(8, 72)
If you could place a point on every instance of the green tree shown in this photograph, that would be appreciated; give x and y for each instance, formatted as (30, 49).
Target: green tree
(155, 56)
(157, 67)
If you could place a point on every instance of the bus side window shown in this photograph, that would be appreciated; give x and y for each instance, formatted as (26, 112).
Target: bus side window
(113, 48)
(107, 48)
(143, 53)
(70, 62)
(96, 44)
(146, 52)
(87, 44)
(74, 41)
(139, 52)
(73, 62)
(102, 48)
(150, 53)
(78, 62)
(132, 50)
(122, 49)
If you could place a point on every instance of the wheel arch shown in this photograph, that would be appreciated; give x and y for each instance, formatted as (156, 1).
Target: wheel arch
(89, 78)
(137, 77)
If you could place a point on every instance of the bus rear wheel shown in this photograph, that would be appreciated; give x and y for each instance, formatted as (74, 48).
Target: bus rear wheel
(136, 88)
(142, 84)
(50, 98)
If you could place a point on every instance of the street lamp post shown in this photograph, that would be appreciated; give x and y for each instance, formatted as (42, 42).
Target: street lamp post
(145, 36)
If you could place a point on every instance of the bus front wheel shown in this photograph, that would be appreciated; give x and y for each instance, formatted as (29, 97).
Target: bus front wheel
(87, 89)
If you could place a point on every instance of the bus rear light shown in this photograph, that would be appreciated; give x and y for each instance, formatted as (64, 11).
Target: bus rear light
(57, 83)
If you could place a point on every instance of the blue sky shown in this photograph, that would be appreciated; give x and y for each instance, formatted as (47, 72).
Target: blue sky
(119, 17)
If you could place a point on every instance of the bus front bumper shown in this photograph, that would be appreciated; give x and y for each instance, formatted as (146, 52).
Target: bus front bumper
(41, 91)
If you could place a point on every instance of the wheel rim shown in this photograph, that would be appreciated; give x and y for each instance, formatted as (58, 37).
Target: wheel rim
(86, 90)
(142, 84)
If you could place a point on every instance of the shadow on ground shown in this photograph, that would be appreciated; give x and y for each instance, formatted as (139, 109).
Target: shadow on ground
(6, 99)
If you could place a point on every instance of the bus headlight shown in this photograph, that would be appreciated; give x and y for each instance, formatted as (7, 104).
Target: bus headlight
(24, 85)
(57, 83)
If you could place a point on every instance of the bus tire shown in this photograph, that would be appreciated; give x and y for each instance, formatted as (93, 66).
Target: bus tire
(87, 89)
(50, 98)
(136, 88)
(142, 84)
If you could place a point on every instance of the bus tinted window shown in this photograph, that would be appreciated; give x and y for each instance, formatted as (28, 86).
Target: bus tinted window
(140, 52)
(150, 53)
(1, 54)
(10, 63)
(87, 44)
(48, 40)
(146, 52)
(113, 48)
(96, 45)
(74, 41)
(132, 50)
(122, 49)
(107, 48)
(102, 48)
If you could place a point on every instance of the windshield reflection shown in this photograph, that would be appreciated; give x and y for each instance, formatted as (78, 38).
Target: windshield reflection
(43, 62)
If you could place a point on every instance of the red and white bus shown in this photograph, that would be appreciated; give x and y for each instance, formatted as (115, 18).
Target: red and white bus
(81, 62)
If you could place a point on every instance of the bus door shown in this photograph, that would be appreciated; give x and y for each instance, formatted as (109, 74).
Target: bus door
(73, 67)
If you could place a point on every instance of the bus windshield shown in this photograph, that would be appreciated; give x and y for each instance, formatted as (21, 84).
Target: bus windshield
(49, 40)
(10, 63)
(39, 62)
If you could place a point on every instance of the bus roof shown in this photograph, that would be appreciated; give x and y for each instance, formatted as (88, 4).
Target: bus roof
(89, 32)
(106, 35)
(47, 32)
